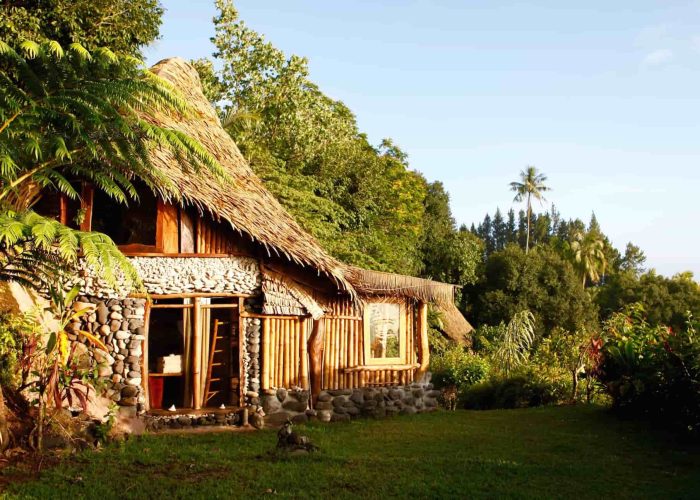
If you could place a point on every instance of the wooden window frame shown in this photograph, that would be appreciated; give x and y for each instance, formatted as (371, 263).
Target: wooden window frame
(403, 333)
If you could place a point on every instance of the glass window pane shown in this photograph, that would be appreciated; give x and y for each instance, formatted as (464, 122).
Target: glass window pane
(384, 330)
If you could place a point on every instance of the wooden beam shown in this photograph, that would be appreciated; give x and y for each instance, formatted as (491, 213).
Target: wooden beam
(167, 228)
(304, 364)
(86, 202)
(380, 368)
(316, 357)
(424, 347)
(242, 375)
(144, 354)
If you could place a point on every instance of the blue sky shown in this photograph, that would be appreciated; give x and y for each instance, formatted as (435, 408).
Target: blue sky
(603, 97)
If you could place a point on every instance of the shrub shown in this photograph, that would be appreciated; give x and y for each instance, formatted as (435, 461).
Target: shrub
(652, 370)
(456, 366)
(517, 391)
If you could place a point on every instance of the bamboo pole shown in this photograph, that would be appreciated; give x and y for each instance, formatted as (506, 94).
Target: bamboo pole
(304, 360)
(242, 374)
(144, 364)
(197, 353)
(265, 371)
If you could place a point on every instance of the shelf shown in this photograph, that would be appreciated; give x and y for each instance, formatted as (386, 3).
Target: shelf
(179, 374)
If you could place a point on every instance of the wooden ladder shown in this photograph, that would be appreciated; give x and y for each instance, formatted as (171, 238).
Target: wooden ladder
(213, 351)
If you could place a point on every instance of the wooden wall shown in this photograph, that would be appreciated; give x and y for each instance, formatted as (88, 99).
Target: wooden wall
(284, 356)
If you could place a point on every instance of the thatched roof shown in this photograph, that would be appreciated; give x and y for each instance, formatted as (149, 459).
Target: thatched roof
(246, 204)
(380, 283)
(454, 325)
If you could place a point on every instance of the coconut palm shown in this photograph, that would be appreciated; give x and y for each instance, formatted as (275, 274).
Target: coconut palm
(72, 114)
(587, 250)
(531, 185)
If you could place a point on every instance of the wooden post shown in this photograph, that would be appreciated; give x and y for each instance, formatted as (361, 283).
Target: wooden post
(316, 357)
(242, 375)
(424, 349)
(197, 353)
(144, 361)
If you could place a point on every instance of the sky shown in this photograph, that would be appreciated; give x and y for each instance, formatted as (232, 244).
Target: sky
(603, 97)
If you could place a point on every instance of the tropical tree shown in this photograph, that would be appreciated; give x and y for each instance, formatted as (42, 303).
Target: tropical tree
(531, 185)
(69, 114)
(587, 251)
(514, 345)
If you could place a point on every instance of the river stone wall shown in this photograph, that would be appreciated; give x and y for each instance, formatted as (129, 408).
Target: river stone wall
(251, 356)
(119, 324)
(172, 275)
(345, 404)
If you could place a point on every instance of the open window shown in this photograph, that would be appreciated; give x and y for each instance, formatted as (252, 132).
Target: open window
(384, 332)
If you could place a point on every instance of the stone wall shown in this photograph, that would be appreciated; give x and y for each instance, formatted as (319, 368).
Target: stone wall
(172, 275)
(119, 324)
(251, 355)
(345, 404)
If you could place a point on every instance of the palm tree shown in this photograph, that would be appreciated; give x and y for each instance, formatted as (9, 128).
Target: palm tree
(588, 253)
(531, 185)
(73, 114)
(515, 342)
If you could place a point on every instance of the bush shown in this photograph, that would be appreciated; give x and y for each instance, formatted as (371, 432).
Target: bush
(652, 370)
(517, 391)
(456, 366)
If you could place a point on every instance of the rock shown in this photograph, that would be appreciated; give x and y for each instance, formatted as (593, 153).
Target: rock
(270, 404)
(257, 421)
(395, 394)
(115, 307)
(369, 405)
(103, 357)
(81, 306)
(417, 393)
(324, 405)
(129, 391)
(357, 397)
(433, 394)
(324, 415)
(408, 410)
(340, 409)
(324, 397)
(134, 381)
(281, 394)
(338, 402)
(104, 330)
(409, 401)
(184, 420)
(116, 378)
(121, 335)
(102, 313)
(352, 411)
(114, 325)
(300, 419)
(292, 405)
(127, 402)
(104, 371)
(252, 394)
(133, 374)
(341, 392)
(116, 315)
(338, 417)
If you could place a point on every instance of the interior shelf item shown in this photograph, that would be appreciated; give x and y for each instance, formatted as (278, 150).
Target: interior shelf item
(170, 364)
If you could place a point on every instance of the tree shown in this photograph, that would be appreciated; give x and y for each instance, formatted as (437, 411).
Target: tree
(586, 250)
(124, 26)
(514, 346)
(531, 185)
(74, 114)
(633, 260)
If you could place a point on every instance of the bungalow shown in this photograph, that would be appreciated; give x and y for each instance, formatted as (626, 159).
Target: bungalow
(242, 308)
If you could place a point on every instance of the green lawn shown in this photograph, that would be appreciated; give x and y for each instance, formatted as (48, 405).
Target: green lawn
(544, 452)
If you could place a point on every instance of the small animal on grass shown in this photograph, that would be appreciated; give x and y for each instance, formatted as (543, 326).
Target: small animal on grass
(289, 440)
(449, 397)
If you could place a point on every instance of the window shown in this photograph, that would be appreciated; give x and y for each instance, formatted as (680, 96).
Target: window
(127, 225)
(384, 332)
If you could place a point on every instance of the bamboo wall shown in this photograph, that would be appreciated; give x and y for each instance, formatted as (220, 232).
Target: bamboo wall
(284, 352)
(344, 349)
(285, 357)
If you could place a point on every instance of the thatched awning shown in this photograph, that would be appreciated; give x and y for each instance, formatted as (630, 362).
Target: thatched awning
(454, 325)
(380, 283)
(245, 203)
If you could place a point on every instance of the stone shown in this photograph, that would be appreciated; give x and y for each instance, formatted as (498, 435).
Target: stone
(353, 411)
(129, 391)
(281, 394)
(102, 313)
(104, 330)
(115, 307)
(341, 392)
(395, 394)
(104, 371)
(80, 306)
(103, 357)
(114, 325)
(134, 381)
(324, 415)
(340, 409)
(337, 402)
(408, 410)
(357, 397)
(433, 394)
(257, 421)
(116, 378)
(116, 315)
(370, 404)
(300, 419)
(417, 393)
(338, 417)
(184, 420)
(270, 404)
(121, 335)
(292, 405)
(134, 374)
(324, 405)
(252, 394)
(127, 402)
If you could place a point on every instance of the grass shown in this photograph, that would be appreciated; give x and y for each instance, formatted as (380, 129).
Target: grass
(579, 452)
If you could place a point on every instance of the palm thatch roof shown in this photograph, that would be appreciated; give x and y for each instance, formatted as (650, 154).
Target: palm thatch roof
(245, 204)
(380, 283)
(454, 325)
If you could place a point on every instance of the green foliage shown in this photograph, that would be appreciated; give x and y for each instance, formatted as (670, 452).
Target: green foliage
(542, 282)
(653, 370)
(531, 185)
(514, 345)
(456, 366)
(14, 327)
(586, 250)
(124, 25)
(517, 391)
